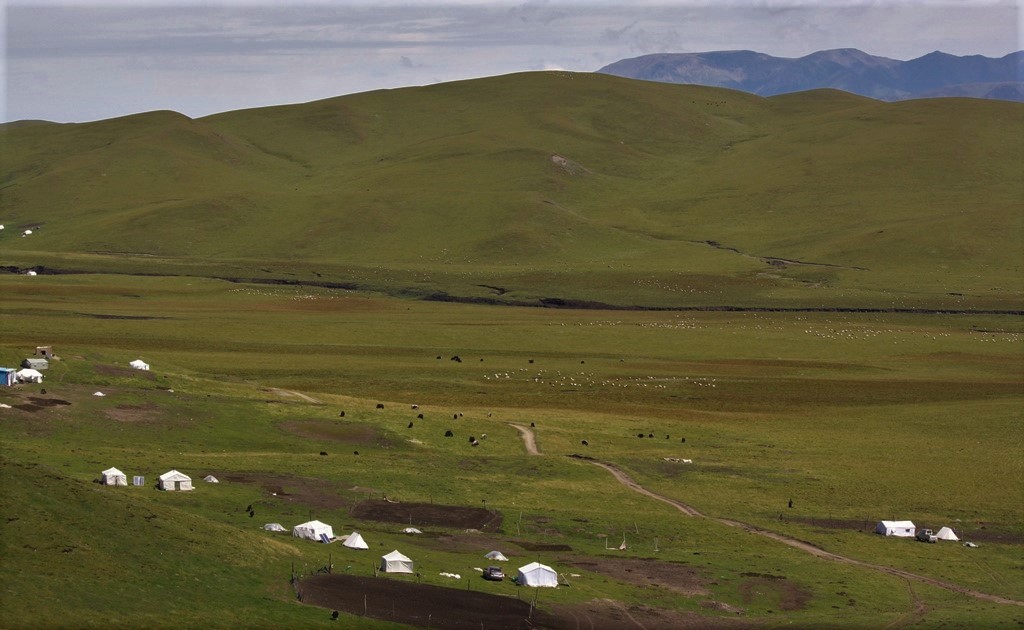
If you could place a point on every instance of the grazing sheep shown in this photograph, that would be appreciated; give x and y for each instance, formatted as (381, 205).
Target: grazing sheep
(475, 443)
(415, 407)
(483, 436)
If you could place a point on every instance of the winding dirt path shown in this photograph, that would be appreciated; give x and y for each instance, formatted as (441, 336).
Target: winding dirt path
(288, 392)
(528, 438)
(627, 481)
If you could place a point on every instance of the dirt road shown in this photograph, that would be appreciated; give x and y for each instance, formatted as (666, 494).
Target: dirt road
(288, 392)
(528, 438)
(625, 480)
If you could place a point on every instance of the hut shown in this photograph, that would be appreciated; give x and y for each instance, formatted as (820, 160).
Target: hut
(395, 562)
(902, 529)
(113, 477)
(174, 480)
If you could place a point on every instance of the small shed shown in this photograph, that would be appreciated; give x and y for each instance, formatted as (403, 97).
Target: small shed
(396, 562)
(174, 480)
(113, 477)
(902, 529)
(35, 364)
(44, 351)
(8, 377)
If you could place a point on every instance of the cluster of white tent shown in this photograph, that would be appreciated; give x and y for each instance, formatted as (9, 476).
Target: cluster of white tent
(29, 375)
(172, 480)
(907, 529)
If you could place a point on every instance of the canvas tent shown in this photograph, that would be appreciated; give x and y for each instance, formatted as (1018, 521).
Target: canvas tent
(274, 527)
(210, 479)
(496, 555)
(355, 541)
(411, 530)
(395, 562)
(946, 534)
(314, 530)
(139, 364)
(113, 477)
(174, 480)
(903, 529)
(536, 574)
(28, 375)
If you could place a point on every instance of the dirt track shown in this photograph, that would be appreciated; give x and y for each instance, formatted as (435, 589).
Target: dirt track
(625, 480)
(528, 439)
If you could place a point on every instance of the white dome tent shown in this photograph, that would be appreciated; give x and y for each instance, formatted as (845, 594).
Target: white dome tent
(496, 556)
(113, 477)
(139, 364)
(314, 530)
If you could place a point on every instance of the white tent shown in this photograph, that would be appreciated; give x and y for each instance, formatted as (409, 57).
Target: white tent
(355, 541)
(210, 479)
(395, 562)
(314, 530)
(411, 530)
(113, 477)
(946, 534)
(903, 529)
(274, 527)
(139, 364)
(174, 480)
(28, 375)
(536, 574)
(496, 555)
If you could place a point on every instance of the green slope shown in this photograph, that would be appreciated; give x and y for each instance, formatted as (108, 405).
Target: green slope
(578, 186)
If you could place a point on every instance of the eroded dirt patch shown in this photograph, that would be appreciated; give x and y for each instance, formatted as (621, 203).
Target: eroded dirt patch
(147, 412)
(33, 404)
(314, 493)
(116, 370)
(453, 516)
(647, 572)
(775, 591)
(606, 614)
(402, 600)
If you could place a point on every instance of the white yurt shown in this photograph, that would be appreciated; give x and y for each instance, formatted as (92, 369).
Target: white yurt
(139, 364)
(497, 556)
(174, 480)
(113, 477)
(537, 574)
(355, 541)
(395, 562)
(946, 534)
(274, 527)
(314, 530)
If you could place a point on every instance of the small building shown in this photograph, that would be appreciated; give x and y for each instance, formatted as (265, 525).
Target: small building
(45, 351)
(8, 377)
(174, 480)
(113, 477)
(35, 364)
(902, 529)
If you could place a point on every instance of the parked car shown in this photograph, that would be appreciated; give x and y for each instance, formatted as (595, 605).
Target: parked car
(494, 573)
(926, 535)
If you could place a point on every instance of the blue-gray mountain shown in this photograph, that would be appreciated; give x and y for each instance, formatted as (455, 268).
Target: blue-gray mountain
(848, 69)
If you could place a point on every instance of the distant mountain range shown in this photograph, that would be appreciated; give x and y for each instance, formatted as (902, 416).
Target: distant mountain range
(935, 74)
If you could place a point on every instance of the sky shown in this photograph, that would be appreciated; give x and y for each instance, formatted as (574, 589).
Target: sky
(75, 61)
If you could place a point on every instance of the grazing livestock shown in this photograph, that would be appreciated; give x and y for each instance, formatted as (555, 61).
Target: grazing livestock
(475, 443)
(639, 435)
(650, 435)
(472, 439)
(341, 415)
(380, 405)
(355, 452)
(410, 426)
(419, 416)
(449, 433)
(585, 443)
(334, 615)
(683, 440)
(533, 424)
(415, 407)
(457, 359)
(323, 453)
(455, 416)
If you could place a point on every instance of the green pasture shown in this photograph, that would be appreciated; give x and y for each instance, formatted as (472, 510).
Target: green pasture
(855, 417)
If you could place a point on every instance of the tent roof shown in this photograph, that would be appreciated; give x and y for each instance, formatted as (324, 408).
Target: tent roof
(28, 372)
(534, 566)
(113, 471)
(313, 524)
(355, 541)
(496, 555)
(411, 530)
(946, 533)
(396, 555)
(174, 475)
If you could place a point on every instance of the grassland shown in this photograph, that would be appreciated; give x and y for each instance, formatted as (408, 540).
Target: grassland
(855, 417)
(816, 298)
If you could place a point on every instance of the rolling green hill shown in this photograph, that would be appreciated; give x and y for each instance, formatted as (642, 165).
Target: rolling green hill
(545, 185)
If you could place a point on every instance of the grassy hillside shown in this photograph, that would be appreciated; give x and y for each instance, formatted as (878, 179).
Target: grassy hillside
(560, 185)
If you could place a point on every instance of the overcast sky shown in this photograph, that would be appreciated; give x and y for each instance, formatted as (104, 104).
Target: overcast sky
(76, 61)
